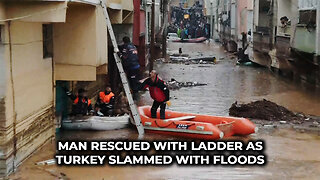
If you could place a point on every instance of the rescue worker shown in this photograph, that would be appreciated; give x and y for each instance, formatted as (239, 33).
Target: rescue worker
(81, 104)
(159, 92)
(130, 61)
(105, 102)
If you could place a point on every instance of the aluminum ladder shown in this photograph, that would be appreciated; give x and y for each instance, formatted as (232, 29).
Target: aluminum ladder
(133, 108)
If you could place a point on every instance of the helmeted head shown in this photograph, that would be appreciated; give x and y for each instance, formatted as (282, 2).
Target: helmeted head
(126, 40)
(82, 92)
(107, 90)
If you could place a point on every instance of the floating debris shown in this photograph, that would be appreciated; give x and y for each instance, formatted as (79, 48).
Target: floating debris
(197, 60)
(46, 162)
(174, 84)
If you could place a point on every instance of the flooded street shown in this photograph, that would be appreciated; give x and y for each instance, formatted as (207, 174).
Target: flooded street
(291, 154)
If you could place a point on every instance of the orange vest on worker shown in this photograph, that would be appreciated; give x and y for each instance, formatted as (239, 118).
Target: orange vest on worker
(105, 98)
(83, 100)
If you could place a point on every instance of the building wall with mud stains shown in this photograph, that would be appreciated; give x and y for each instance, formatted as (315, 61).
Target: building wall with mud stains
(26, 93)
(287, 49)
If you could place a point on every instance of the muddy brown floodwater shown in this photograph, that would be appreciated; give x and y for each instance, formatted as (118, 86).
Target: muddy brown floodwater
(291, 154)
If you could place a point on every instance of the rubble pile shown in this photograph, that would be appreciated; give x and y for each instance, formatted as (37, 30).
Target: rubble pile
(265, 110)
(174, 84)
(189, 22)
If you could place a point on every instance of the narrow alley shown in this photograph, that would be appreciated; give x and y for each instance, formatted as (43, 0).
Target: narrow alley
(226, 82)
(168, 71)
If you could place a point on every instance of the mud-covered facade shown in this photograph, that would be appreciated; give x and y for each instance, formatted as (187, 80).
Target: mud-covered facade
(44, 46)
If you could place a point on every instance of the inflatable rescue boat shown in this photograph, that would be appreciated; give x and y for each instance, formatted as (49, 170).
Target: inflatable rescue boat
(195, 126)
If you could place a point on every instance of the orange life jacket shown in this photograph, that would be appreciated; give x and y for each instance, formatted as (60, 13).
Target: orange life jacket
(105, 98)
(83, 100)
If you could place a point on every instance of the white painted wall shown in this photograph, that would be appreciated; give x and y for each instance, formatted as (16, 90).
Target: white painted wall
(256, 13)
(307, 4)
(250, 20)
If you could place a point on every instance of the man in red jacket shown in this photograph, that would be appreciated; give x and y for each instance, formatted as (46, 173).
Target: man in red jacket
(159, 92)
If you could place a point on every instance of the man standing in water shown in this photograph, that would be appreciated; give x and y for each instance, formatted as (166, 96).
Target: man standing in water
(159, 92)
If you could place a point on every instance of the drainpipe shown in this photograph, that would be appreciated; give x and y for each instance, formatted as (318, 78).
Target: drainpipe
(165, 23)
(152, 50)
(271, 25)
(54, 88)
(13, 99)
(211, 19)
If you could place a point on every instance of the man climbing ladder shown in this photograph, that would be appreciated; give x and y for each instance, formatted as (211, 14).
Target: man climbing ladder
(123, 77)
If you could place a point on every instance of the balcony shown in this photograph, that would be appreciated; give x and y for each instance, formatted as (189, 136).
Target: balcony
(284, 31)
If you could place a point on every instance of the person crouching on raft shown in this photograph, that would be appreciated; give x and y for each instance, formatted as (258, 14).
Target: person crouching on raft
(159, 92)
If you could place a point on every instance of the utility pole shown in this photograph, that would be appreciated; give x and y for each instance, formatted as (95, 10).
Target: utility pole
(211, 19)
(271, 35)
(152, 50)
(165, 25)
(318, 30)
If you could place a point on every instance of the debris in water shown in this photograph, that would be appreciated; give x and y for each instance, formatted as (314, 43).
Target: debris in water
(269, 126)
(46, 162)
(188, 60)
(174, 84)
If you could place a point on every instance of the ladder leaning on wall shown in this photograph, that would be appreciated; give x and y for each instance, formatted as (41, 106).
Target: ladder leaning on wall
(123, 76)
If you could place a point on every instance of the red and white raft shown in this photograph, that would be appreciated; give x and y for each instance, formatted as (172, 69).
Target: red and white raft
(195, 126)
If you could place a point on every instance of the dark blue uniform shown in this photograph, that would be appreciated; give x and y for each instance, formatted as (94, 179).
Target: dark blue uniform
(130, 61)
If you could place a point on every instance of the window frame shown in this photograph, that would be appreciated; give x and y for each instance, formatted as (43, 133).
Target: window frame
(47, 40)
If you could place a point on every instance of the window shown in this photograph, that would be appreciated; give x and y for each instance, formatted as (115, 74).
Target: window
(47, 40)
(142, 4)
(1, 34)
(308, 17)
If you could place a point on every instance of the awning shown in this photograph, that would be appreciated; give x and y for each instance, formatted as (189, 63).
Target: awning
(127, 5)
(120, 4)
(114, 4)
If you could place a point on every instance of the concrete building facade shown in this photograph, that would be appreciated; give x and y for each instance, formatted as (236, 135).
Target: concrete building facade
(281, 34)
(44, 46)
